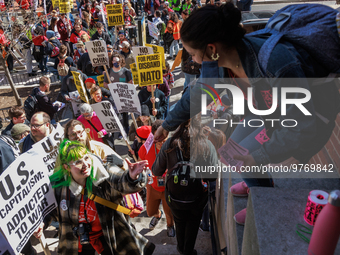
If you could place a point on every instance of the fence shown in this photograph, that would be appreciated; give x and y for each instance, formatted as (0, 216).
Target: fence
(24, 80)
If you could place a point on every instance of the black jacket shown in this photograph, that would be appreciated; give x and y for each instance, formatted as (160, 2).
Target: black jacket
(68, 82)
(85, 65)
(8, 129)
(44, 103)
(160, 104)
(105, 36)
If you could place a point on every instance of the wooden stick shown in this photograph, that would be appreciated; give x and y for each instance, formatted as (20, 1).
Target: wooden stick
(134, 120)
(107, 74)
(44, 245)
(129, 147)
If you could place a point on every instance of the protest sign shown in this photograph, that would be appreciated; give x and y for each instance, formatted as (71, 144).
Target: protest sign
(115, 14)
(125, 97)
(148, 143)
(107, 116)
(150, 70)
(141, 50)
(75, 108)
(158, 50)
(153, 30)
(134, 72)
(5, 248)
(64, 6)
(48, 147)
(100, 79)
(229, 150)
(97, 52)
(55, 4)
(26, 197)
(80, 86)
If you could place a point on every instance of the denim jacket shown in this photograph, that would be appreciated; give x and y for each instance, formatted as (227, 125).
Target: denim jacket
(286, 61)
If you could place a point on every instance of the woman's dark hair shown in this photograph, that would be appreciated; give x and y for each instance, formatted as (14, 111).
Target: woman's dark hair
(190, 139)
(211, 24)
(217, 138)
(121, 59)
(53, 23)
(156, 125)
(165, 12)
(173, 17)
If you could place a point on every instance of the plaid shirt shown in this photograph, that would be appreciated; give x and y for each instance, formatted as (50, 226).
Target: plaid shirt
(118, 233)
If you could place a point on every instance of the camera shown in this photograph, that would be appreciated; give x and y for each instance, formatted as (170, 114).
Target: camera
(83, 232)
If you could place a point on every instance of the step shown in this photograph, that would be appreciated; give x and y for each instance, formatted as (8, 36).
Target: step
(273, 213)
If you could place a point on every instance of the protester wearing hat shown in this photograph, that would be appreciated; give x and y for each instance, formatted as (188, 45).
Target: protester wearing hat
(109, 50)
(127, 53)
(167, 7)
(20, 131)
(143, 120)
(128, 18)
(142, 134)
(100, 34)
(91, 83)
(98, 15)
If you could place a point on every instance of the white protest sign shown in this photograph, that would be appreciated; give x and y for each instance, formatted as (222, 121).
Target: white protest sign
(75, 107)
(5, 248)
(125, 97)
(26, 197)
(148, 143)
(97, 52)
(153, 30)
(141, 50)
(48, 147)
(107, 116)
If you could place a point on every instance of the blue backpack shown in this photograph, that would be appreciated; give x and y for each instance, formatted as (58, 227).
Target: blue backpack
(309, 26)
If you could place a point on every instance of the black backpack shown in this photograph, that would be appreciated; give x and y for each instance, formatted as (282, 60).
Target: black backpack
(30, 106)
(182, 183)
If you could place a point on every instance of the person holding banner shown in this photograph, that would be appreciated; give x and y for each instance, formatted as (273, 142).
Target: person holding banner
(85, 192)
(159, 100)
(68, 84)
(90, 120)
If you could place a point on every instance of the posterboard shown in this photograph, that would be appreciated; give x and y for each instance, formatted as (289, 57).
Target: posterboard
(97, 52)
(125, 97)
(141, 50)
(26, 197)
(150, 70)
(64, 6)
(5, 248)
(75, 108)
(153, 30)
(158, 50)
(115, 14)
(48, 147)
(107, 116)
(80, 86)
(55, 4)
(100, 79)
(134, 71)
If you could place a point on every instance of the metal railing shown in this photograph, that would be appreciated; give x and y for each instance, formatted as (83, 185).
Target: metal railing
(23, 79)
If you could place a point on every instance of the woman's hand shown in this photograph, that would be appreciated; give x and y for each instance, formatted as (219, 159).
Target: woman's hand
(160, 134)
(38, 233)
(132, 152)
(136, 168)
(248, 160)
(100, 134)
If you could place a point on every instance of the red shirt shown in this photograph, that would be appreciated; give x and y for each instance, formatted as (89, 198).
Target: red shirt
(93, 219)
(75, 37)
(158, 181)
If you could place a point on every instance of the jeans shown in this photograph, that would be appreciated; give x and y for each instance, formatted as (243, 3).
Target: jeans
(174, 48)
(28, 59)
(167, 109)
(43, 65)
(245, 137)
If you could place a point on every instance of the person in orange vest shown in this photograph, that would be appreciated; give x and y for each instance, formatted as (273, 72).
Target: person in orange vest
(173, 27)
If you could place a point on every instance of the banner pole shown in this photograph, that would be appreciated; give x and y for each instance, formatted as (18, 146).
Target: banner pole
(129, 147)
(44, 245)
(134, 120)
(107, 74)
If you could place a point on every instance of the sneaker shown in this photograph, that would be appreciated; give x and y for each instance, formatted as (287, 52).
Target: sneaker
(154, 221)
(240, 217)
(239, 189)
(171, 231)
(13, 71)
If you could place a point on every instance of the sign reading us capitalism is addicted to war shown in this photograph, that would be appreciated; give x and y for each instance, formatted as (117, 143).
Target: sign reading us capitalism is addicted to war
(150, 69)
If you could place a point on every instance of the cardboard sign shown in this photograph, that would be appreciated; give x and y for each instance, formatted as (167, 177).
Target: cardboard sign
(100, 79)
(107, 116)
(150, 70)
(158, 50)
(55, 4)
(48, 147)
(125, 97)
(64, 6)
(75, 108)
(153, 30)
(97, 52)
(5, 248)
(148, 143)
(177, 61)
(134, 71)
(140, 51)
(115, 14)
(80, 86)
(26, 197)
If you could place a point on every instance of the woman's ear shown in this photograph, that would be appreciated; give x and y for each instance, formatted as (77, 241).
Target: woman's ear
(211, 49)
(66, 166)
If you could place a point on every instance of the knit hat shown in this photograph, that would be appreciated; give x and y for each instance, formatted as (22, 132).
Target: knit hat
(121, 32)
(90, 80)
(125, 44)
(225, 100)
(19, 129)
(143, 132)
(145, 110)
